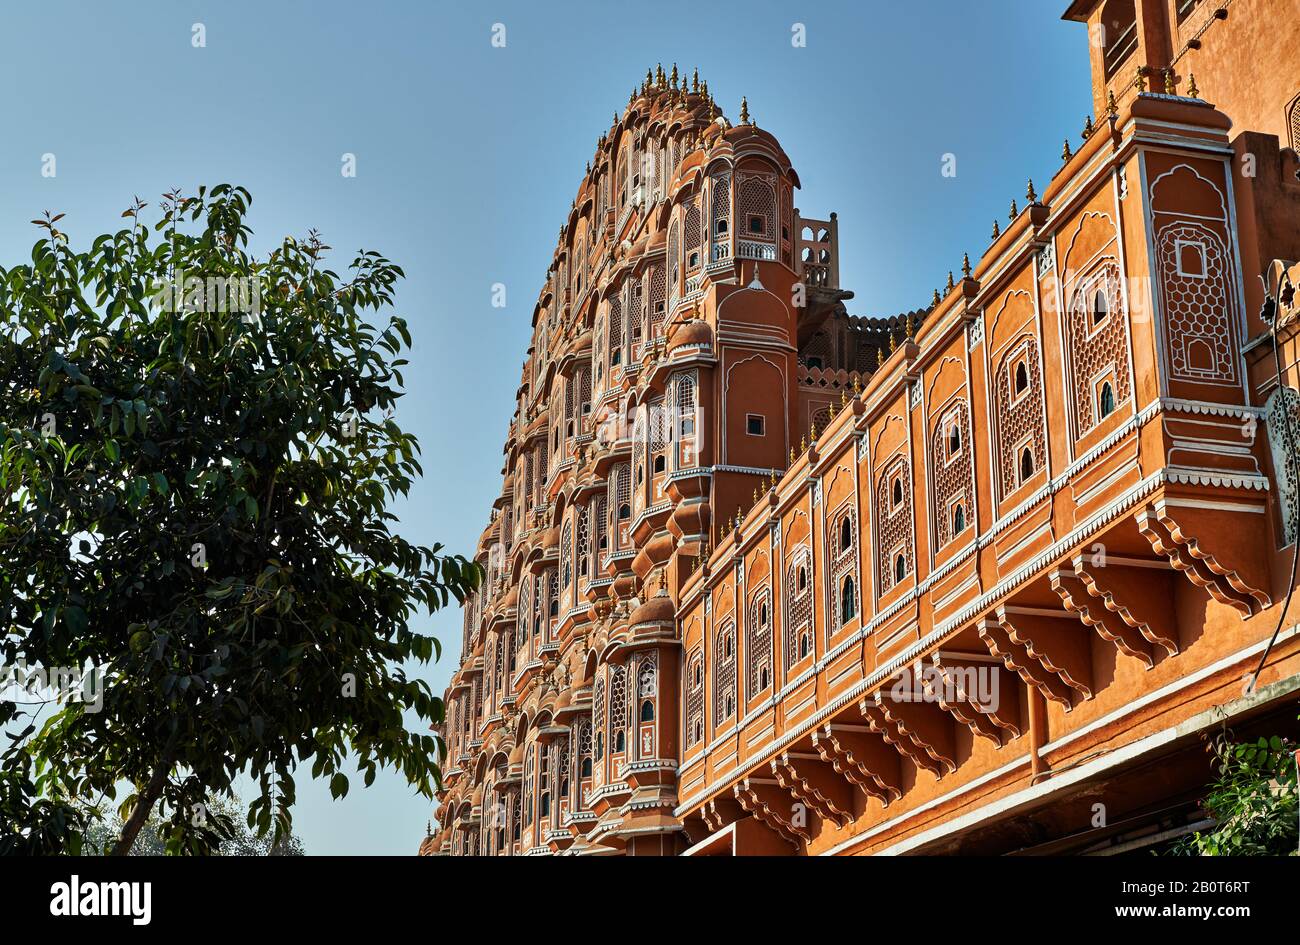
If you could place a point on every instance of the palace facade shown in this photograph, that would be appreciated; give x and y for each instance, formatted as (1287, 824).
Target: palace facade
(766, 577)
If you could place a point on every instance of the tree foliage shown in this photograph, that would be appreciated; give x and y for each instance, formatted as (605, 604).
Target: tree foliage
(1253, 801)
(197, 453)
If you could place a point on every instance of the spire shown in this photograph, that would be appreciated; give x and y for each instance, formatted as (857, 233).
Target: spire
(1029, 192)
(951, 285)
(1088, 129)
(1066, 153)
(659, 75)
(996, 229)
(1170, 87)
(935, 302)
(1112, 107)
(965, 265)
(1015, 212)
(695, 80)
(673, 81)
(744, 110)
(1140, 80)
(1192, 90)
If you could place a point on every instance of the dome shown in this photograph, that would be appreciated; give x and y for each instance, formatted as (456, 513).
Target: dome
(658, 609)
(695, 332)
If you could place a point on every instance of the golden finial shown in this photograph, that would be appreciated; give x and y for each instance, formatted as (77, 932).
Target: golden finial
(1140, 80)
(803, 444)
(965, 265)
(1029, 192)
(1066, 153)
(876, 365)
(950, 285)
(695, 80)
(909, 326)
(844, 396)
(813, 431)
(1015, 211)
(935, 302)
(1088, 129)
(744, 110)
(649, 79)
(1192, 90)
(673, 81)
(1112, 107)
(1170, 88)
(704, 90)
(659, 75)
(773, 478)
(792, 456)
(893, 342)
(755, 499)
(997, 231)
(857, 385)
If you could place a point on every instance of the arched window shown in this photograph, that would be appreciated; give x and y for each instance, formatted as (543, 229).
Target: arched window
(958, 520)
(620, 741)
(1026, 463)
(846, 534)
(1106, 402)
(624, 512)
(585, 770)
(1100, 307)
(803, 645)
(848, 601)
(647, 711)
(801, 578)
(900, 567)
(898, 492)
(1022, 378)
(659, 463)
(954, 440)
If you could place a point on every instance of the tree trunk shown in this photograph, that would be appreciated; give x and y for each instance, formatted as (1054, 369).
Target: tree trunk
(143, 806)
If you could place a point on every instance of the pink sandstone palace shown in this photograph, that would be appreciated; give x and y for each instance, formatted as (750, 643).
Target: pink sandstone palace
(765, 577)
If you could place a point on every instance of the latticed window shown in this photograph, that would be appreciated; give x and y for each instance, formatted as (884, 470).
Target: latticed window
(724, 674)
(583, 756)
(674, 262)
(894, 525)
(1098, 347)
(757, 216)
(952, 470)
(657, 305)
(720, 227)
(615, 331)
(759, 651)
(685, 404)
(1019, 422)
(601, 544)
(695, 699)
(798, 617)
(620, 504)
(583, 551)
(659, 435)
(1196, 289)
(1293, 123)
(566, 556)
(598, 713)
(618, 709)
(527, 797)
(691, 237)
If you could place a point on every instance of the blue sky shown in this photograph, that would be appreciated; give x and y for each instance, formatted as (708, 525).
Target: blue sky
(468, 157)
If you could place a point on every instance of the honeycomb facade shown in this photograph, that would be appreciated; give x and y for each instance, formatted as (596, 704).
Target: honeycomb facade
(767, 577)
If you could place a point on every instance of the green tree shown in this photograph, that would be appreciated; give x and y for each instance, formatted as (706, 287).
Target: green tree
(1253, 801)
(197, 452)
(103, 831)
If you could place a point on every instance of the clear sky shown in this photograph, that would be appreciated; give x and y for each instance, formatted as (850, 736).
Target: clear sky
(468, 156)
